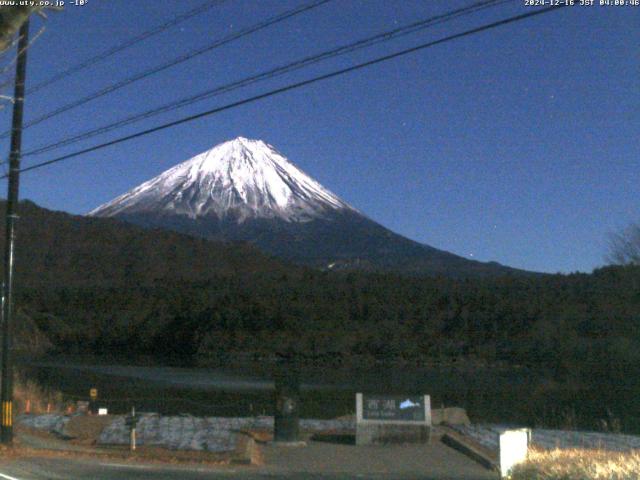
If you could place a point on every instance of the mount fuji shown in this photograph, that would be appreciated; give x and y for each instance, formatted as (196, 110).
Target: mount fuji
(245, 190)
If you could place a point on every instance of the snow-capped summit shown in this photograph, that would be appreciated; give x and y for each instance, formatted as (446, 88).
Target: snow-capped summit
(236, 180)
(244, 190)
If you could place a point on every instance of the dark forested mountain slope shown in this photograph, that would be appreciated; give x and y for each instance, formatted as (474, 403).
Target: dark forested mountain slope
(62, 250)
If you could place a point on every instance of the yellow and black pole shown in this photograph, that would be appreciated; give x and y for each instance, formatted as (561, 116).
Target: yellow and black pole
(6, 378)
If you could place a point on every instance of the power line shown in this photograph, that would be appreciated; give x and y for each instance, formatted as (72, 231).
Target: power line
(124, 45)
(275, 72)
(8, 66)
(294, 86)
(183, 58)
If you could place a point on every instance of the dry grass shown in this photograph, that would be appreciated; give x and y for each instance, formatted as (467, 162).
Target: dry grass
(27, 393)
(579, 465)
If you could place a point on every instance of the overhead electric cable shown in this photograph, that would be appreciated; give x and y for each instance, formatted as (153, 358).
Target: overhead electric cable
(295, 86)
(272, 73)
(182, 58)
(124, 45)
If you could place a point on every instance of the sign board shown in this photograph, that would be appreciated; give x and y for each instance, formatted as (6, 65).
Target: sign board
(398, 409)
(392, 418)
(514, 446)
(393, 408)
(93, 393)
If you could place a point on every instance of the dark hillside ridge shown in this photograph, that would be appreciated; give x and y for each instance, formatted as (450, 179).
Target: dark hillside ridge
(60, 250)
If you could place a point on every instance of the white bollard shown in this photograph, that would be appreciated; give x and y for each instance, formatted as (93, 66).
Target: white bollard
(514, 446)
(132, 421)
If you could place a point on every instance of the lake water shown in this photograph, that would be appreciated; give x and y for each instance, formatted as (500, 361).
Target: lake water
(244, 388)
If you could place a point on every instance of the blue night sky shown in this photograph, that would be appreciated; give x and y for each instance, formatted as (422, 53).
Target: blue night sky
(518, 145)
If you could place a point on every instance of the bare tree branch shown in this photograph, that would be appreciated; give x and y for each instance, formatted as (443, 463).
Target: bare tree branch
(624, 247)
(12, 18)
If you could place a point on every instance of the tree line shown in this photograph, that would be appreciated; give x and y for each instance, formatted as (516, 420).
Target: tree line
(566, 325)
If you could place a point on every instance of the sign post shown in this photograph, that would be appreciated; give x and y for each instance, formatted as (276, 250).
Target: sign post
(93, 397)
(131, 421)
(392, 419)
(287, 415)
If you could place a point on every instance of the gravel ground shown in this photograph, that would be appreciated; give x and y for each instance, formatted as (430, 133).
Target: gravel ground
(211, 434)
(218, 434)
(50, 422)
(487, 435)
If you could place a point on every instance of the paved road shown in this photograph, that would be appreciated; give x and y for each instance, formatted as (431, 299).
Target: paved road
(68, 469)
(318, 460)
(72, 469)
(291, 464)
(432, 461)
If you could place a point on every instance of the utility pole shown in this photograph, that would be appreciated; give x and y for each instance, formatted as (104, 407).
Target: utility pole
(6, 380)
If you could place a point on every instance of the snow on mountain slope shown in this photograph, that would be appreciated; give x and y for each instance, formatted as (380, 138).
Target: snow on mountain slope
(245, 191)
(236, 180)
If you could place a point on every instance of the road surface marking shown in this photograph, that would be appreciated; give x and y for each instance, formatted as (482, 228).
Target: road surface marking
(160, 467)
(125, 465)
(8, 477)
